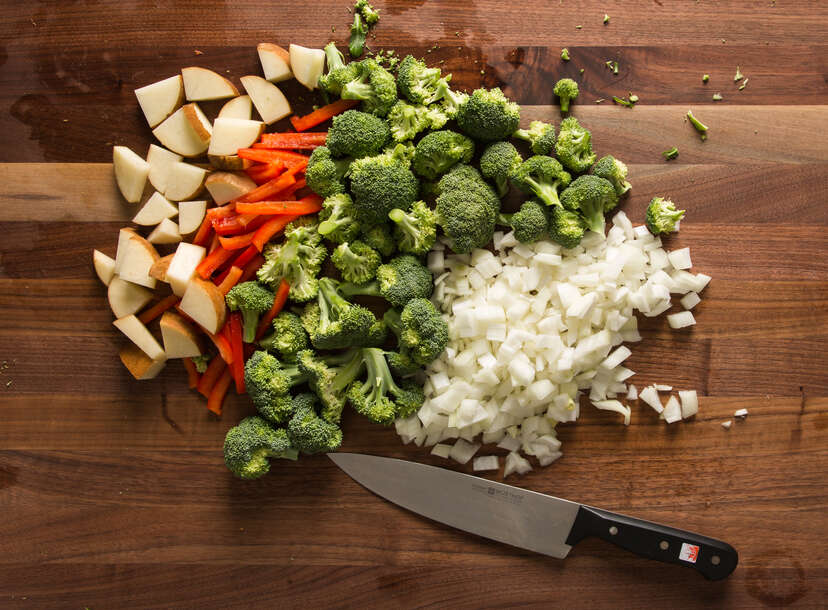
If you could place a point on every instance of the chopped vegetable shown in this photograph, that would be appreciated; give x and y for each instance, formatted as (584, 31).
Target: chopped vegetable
(705, 78)
(485, 462)
(320, 115)
(697, 124)
(738, 76)
(740, 413)
(565, 54)
(671, 154)
(717, 97)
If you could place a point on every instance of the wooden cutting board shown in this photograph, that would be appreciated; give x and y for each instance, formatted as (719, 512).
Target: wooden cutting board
(113, 492)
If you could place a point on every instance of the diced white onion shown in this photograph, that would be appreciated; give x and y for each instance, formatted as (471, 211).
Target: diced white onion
(632, 392)
(680, 259)
(672, 410)
(689, 403)
(485, 462)
(663, 388)
(690, 300)
(516, 463)
(740, 413)
(726, 424)
(681, 319)
(441, 450)
(463, 451)
(614, 405)
(650, 396)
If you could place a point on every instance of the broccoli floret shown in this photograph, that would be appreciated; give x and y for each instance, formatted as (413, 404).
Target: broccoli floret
(591, 197)
(418, 82)
(398, 281)
(248, 446)
(466, 208)
(329, 378)
(251, 299)
(574, 146)
(529, 223)
(488, 115)
(662, 216)
(308, 432)
(414, 231)
(567, 90)
(450, 101)
(421, 330)
(377, 334)
(297, 260)
(201, 362)
(407, 120)
(380, 239)
(542, 177)
(375, 86)
(339, 72)
(565, 227)
(338, 218)
(288, 337)
(379, 397)
(356, 261)
(436, 116)
(401, 363)
(332, 322)
(610, 168)
(324, 174)
(380, 184)
(497, 162)
(365, 16)
(540, 135)
(356, 134)
(438, 151)
(268, 383)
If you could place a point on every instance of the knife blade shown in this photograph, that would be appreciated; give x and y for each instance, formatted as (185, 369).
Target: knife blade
(527, 519)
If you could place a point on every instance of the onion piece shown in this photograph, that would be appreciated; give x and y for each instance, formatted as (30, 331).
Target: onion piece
(672, 410)
(485, 462)
(441, 450)
(689, 403)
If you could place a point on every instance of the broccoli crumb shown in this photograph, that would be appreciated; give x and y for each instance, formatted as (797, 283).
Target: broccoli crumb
(565, 54)
(598, 101)
(697, 124)
(633, 98)
(606, 19)
(578, 27)
(717, 97)
(743, 85)
(581, 71)
(622, 101)
(705, 78)
(738, 76)
(671, 154)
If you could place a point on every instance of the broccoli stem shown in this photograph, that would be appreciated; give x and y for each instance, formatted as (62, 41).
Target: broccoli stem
(371, 289)
(564, 104)
(357, 91)
(393, 320)
(671, 154)
(700, 127)
(250, 321)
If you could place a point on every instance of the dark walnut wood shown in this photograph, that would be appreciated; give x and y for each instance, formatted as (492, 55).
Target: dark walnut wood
(113, 492)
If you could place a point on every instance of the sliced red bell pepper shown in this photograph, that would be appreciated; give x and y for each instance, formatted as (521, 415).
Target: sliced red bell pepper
(320, 115)
(278, 303)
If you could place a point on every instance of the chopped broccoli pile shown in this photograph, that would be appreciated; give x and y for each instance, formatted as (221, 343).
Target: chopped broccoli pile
(567, 90)
(662, 216)
(297, 260)
(591, 197)
(288, 337)
(530, 223)
(416, 231)
(437, 152)
(610, 168)
(488, 115)
(356, 261)
(497, 162)
(540, 135)
(249, 445)
(574, 146)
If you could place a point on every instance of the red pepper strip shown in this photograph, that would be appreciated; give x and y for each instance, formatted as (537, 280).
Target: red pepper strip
(270, 188)
(213, 261)
(148, 315)
(223, 346)
(298, 141)
(202, 236)
(278, 303)
(303, 123)
(266, 155)
(214, 244)
(246, 256)
(251, 268)
(270, 228)
(228, 279)
(215, 401)
(234, 325)
(236, 242)
(224, 211)
(299, 184)
(307, 205)
(192, 374)
(262, 173)
(214, 370)
(256, 221)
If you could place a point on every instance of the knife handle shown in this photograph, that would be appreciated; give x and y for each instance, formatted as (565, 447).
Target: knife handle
(713, 558)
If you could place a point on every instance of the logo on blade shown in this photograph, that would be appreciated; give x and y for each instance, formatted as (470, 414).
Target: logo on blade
(503, 495)
(689, 552)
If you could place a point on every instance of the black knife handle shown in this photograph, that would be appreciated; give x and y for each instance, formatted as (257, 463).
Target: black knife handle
(713, 558)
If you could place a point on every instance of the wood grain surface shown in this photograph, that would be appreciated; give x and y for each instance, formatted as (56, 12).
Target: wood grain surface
(113, 493)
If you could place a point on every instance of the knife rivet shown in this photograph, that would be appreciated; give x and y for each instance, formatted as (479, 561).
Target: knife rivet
(613, 530)
(715, 560)
(663, 545)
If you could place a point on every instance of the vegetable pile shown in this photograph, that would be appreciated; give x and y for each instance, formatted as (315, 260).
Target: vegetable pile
(305, 277)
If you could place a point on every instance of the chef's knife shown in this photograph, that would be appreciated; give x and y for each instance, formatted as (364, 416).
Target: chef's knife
(528, 519)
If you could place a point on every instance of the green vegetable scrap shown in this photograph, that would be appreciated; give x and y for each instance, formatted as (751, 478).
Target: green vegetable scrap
(567, 90)
(252, 300)
(365, 17)
(699, 126)
(662, 216)
(540, 135)
(671, 154)
(738, 76)
(249, 445)
(565, 54)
